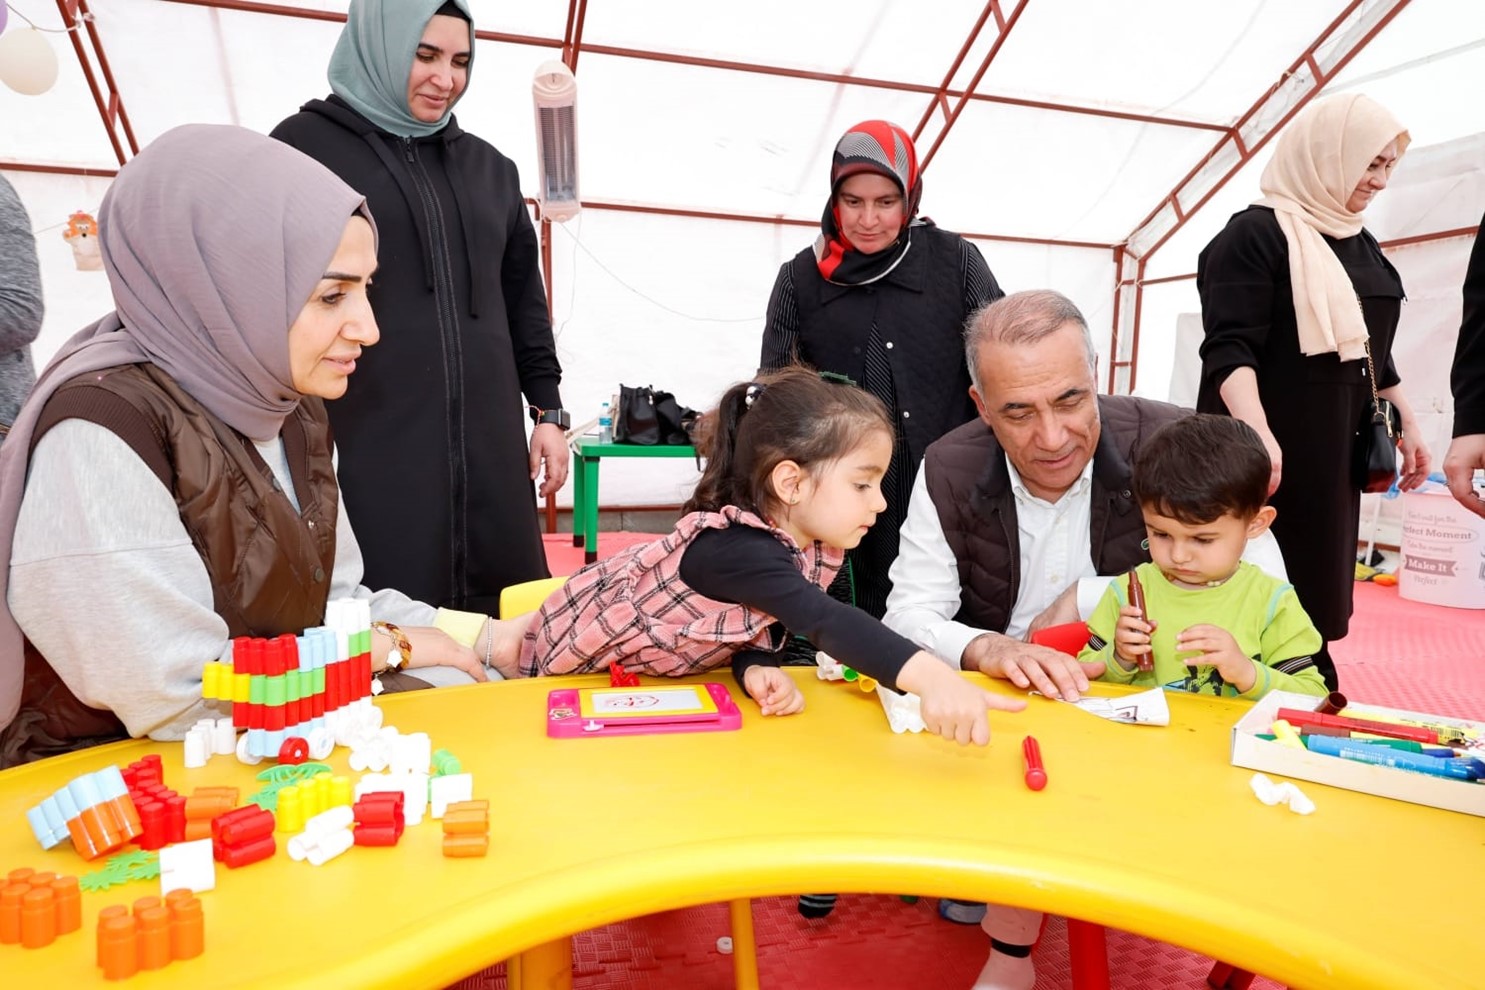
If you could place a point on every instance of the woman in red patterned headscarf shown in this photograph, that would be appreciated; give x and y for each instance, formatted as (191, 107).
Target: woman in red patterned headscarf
(881, 298)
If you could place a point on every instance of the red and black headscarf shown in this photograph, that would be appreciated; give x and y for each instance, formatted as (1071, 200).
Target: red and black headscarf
(871, 146)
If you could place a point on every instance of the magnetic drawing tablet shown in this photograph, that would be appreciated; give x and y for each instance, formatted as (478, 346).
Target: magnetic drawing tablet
(632, 711)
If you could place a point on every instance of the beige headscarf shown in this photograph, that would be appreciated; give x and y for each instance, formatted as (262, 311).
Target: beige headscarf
(1320, 159)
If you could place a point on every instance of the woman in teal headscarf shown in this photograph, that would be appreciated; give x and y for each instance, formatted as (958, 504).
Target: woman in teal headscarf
(433, 454)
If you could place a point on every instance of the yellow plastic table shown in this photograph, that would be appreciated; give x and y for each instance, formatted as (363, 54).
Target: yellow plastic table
(1144, 829)
(586, 455)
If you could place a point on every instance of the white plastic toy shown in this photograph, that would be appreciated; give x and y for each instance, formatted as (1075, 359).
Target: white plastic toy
(904, 711)
(1286, 793)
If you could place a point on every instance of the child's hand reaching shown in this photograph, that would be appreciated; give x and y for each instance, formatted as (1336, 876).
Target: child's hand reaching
(952, 707)
(774, 690)
(1131, 637)
(1216, 648)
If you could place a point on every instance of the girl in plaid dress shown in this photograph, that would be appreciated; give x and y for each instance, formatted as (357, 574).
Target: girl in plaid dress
(794, 466)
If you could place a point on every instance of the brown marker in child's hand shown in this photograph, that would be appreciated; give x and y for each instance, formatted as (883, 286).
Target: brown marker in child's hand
(1146, 661)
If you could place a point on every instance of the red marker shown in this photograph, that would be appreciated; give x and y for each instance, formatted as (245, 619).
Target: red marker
(1036, 774)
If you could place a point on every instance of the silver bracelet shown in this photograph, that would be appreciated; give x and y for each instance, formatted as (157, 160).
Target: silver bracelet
(489, 640)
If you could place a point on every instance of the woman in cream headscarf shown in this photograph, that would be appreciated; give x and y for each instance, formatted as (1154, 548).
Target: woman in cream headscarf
(169, 482)
(1293, 292)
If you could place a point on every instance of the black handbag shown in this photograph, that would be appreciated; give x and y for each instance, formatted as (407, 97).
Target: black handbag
(676, 420)
(649, 417)
(1374, 456)
(635, 421)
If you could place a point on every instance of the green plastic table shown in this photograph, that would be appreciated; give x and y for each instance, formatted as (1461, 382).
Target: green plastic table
(585, 457)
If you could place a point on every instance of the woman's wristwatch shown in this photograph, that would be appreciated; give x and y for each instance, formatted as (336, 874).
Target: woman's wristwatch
(557, 417)
(400, 655)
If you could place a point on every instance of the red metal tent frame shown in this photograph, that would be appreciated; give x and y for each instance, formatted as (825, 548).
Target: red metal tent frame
(943, 106)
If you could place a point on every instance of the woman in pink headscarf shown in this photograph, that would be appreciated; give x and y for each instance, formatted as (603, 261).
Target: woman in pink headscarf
(1294, 294)
(170, 484)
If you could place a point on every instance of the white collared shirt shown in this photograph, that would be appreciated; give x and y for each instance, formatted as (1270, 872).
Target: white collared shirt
(1055, 552)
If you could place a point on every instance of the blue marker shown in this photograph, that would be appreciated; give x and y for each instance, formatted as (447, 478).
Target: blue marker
(1347, 749)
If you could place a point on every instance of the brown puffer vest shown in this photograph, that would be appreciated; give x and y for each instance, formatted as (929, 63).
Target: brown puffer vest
(269, 566)
(971, 489)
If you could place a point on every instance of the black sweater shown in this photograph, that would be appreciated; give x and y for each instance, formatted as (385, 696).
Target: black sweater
(433, 450)
(746, 566)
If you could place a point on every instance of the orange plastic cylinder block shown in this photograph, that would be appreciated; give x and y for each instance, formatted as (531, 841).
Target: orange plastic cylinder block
(467, 845)
(154, 937)
(187, 928)
(112, 911)
(208, 805)
(38, 918)
(21, 875)
(40, 879)
(103, 832)
(68, 900)
(480, 805)
(10, 912)
(464, 824)
(118, 949)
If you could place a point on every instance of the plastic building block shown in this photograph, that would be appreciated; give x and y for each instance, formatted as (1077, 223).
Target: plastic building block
(904, 711)
(294, 751)
(187, 927)
(153, 934)
(120, 869)
(466, 829)
(827, 669)
(118, 951)
(379, 819)
(10, 912)
(325, 836)
(95, 810)
(311, 687)
(445, 763)
(189, 865)
(447, 790)
(413, 786)
(412, 753)
(68, 899)
(1286, 794)
(280, 778)
(242, 836)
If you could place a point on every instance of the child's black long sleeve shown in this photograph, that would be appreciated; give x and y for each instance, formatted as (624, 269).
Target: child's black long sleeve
(741, 565)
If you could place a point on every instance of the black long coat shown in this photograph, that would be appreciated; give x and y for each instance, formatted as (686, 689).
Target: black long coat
(430, 433)
(1313, 404)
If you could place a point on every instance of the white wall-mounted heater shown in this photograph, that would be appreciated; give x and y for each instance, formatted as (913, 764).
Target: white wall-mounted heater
(554, 94)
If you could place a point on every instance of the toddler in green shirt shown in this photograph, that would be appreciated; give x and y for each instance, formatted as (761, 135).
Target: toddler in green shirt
(1213, 623)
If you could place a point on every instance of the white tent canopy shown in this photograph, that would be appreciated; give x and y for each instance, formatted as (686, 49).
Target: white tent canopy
(1082, 144)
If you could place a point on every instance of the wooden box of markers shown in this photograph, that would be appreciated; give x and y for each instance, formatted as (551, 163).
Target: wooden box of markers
(1250, 750)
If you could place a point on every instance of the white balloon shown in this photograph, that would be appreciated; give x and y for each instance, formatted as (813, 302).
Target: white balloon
(28, 64)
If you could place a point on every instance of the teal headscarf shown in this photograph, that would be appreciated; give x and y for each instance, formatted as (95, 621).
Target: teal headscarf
(374, 56)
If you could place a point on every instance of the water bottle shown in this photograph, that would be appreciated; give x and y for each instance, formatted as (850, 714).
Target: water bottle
(605, 425)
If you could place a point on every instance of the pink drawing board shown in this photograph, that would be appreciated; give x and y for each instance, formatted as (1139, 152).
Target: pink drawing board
(634, 711)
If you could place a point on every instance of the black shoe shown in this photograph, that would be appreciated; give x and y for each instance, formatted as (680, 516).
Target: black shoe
(816, 905)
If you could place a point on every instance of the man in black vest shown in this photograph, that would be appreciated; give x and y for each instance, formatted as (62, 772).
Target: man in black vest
(1019, 517)
(1015, 522)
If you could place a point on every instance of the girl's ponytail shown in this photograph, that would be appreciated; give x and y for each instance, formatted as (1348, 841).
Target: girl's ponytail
(789, 414)
(717, 442)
